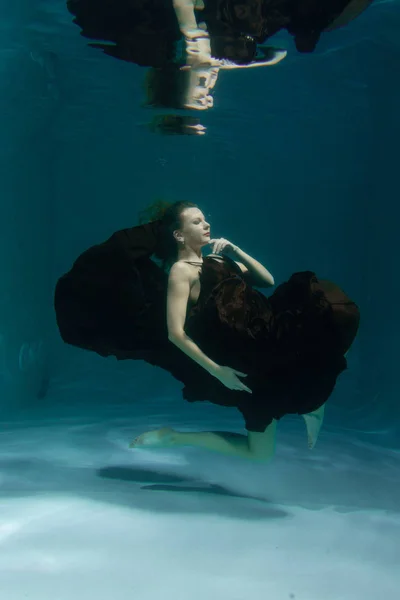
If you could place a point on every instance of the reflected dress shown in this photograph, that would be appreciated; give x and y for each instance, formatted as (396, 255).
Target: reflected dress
(291, 344)
(147, 33)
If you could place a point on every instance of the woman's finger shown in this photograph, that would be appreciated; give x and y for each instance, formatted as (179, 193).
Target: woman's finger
(246, 389)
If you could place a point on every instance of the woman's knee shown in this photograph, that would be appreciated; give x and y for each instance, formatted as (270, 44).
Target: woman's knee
(262, 444)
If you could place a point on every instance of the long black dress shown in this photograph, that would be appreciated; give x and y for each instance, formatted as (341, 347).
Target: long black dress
(291, 345)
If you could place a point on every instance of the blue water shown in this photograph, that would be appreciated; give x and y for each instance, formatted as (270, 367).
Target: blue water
(299, 166)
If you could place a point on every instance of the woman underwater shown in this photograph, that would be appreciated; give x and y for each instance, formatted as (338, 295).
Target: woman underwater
(202, 320)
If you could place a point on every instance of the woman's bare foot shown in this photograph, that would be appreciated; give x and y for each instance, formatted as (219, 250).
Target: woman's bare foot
(313, 423)
(160, 438)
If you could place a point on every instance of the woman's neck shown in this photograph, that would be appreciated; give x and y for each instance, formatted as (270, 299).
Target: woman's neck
(189, 255)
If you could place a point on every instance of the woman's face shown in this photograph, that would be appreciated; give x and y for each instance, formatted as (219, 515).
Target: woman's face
(195, 231)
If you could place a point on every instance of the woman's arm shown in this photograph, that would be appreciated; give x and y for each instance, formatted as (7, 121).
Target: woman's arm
(197, 40)
(184, 10)
(257, 273)
(177, 302)
(203, 67)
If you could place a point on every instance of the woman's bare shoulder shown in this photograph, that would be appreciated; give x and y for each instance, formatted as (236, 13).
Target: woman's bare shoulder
(180, 271)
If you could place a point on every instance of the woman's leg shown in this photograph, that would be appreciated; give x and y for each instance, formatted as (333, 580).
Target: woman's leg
(255, 446)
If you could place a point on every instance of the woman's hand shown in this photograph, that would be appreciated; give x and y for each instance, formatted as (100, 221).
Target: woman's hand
(222, 245)
(229, 377)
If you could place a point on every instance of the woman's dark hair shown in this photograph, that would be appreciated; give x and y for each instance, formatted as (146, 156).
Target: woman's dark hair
(169, 215)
